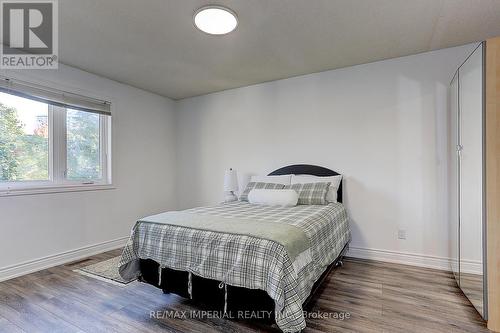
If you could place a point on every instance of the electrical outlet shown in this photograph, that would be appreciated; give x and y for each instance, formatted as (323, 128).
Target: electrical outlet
(401, 234)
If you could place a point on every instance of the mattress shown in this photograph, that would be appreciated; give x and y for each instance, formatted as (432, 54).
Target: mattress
(245, 260)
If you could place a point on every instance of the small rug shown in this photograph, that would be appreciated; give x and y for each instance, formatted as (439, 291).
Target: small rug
(106, 270)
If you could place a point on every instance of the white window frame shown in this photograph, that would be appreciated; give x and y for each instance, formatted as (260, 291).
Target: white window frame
(57, 159)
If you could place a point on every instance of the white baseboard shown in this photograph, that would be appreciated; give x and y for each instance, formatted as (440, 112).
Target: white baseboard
(413, 259)
(404, 258)
(31, 266)
(471, 266)
(401, 258)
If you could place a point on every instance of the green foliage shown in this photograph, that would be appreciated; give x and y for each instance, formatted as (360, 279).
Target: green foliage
(34, 160)
(83, 154)
(22, 156)
(10, 131)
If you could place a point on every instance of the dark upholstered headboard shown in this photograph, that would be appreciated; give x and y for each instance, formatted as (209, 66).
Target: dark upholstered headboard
(306, 169)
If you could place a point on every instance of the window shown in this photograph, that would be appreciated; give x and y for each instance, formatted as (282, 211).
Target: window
(51, 142)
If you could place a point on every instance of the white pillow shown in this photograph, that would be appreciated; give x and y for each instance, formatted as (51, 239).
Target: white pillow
(287, 198)
(331, 195)
(284, 179)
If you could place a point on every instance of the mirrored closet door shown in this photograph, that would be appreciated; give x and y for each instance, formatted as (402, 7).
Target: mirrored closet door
(471, 204)
(467, 179)
(453, 180)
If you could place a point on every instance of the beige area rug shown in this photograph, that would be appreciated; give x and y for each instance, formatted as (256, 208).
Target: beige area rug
(106, 270)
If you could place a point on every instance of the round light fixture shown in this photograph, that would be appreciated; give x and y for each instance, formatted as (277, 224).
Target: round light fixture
(215, 20)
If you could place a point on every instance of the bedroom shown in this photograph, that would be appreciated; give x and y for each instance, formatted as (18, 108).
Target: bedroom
(366, 90)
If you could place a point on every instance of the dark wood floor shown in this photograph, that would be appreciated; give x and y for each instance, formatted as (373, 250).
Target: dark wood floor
(379, 297)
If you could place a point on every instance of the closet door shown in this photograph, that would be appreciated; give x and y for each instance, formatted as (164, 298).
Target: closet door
(453, 179)
(471, 208)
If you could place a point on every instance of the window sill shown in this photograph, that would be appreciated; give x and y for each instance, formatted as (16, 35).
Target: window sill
(54, 189)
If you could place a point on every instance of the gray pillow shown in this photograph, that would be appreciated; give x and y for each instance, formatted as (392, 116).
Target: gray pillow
(258, 185)
(311, 193)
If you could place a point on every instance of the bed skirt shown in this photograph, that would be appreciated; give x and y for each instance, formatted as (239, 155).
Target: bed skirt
(217, 296)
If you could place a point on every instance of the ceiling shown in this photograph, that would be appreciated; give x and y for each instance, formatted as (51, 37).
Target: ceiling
(153, 44)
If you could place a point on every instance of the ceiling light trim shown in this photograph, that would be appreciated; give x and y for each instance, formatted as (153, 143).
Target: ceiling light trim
(226, 9)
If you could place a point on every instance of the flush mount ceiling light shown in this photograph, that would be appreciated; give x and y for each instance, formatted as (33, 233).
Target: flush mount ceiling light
(215, 20)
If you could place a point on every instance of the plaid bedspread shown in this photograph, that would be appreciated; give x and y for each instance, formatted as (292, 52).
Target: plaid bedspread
(246, 261)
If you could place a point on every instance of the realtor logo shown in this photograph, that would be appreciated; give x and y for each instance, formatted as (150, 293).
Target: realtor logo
(29, 34)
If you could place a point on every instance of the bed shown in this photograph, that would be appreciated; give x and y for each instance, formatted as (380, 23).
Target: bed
(211, 255)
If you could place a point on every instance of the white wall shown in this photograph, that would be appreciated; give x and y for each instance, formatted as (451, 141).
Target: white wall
(143, 149)
(383, 125)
